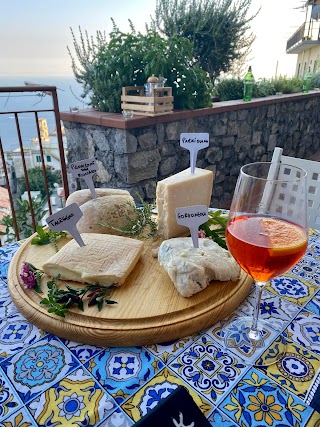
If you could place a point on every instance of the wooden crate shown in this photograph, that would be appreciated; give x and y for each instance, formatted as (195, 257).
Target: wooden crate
(160, 102)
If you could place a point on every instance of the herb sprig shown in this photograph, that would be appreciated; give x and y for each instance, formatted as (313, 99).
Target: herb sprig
(142, 225)
(46, 237)
(215, 227)
(60, 300)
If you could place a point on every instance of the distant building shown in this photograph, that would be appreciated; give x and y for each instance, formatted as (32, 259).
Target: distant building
(305, 42)
(5, 208)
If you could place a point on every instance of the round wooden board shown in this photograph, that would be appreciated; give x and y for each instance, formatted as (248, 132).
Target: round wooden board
(149, 309)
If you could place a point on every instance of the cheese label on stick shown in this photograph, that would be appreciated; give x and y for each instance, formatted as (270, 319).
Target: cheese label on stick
(85, 169)
(192, 217)
(194, 142)
(66, 220)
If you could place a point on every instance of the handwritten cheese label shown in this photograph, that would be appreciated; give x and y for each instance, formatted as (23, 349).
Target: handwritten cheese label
(85, 169)
(66, 220)
(192, 217)
(194, 142)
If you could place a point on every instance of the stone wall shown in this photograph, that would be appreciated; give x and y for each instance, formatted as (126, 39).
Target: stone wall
(136, 158)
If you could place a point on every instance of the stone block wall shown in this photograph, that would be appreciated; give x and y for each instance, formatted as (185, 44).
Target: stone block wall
(140, 153)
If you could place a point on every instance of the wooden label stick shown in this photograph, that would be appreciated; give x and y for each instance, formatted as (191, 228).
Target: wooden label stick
(66, 220)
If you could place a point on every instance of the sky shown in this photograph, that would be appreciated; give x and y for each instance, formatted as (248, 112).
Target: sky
(34, 34)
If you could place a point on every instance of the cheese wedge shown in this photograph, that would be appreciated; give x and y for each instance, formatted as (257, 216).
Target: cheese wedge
(105, 259)
(179, 190)
(190, 269)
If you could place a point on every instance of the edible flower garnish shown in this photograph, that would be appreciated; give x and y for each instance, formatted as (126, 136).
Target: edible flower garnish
(30, 277)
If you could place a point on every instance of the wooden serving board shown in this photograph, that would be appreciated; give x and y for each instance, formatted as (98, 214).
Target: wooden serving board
(149, 309)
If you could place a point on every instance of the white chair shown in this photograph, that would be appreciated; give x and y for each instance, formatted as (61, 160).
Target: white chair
(313, 183)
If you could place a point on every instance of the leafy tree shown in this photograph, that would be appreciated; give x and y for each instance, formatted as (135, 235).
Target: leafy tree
(217, 29)
(128, 59)
(36, 180)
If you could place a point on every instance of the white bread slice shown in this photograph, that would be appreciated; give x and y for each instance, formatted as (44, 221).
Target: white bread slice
(105, 259)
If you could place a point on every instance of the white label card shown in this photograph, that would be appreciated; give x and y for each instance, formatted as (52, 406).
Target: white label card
(85, 169)
(66, 220)
(194, 142)
(192, 217)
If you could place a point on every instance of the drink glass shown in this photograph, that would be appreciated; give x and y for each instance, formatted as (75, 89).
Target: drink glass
(267, 234)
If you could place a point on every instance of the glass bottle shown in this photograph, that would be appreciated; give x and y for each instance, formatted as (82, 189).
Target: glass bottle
(248, 85)
(307, 81)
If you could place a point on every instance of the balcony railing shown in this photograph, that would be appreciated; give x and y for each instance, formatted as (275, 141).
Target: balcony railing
(308, 31)
(21, 153)
(297, 37)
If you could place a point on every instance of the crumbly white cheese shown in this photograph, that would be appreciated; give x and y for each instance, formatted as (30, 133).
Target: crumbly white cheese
(105, 259)
(179, 190)
(190, 269)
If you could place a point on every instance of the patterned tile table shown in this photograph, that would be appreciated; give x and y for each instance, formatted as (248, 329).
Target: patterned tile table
(52, 382)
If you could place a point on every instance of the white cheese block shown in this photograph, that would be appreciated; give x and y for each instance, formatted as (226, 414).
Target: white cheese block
(190, 269)
(105, 259)
(112, 207)
(179, 190)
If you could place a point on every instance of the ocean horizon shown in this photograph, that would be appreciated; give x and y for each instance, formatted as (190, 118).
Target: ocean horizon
(69, 96)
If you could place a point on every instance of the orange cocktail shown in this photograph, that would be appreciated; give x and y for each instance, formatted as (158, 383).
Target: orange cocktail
(265, 247)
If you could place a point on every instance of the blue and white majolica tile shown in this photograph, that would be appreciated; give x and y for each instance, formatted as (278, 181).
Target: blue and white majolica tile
(258, 401)
(6, 255)
(307, 269)
(76, 400)
(117, 419)
(9, 401)
(277, 311)
(293, 289)
(20, 418)
(83, 352)
(295, 370)
(158, 388)
(121, 371)
(16, 333)
(313, 251)
(208, 369)
(38, 366)
(167, 351)
(305, 330)
(237, 338)
(7, 307)
(314, 304)
(219, 419)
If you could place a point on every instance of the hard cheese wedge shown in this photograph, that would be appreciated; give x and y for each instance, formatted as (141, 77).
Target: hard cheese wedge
(179, 190)
(105, 259)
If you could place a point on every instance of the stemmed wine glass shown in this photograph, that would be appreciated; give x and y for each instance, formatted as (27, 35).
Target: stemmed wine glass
(267, 234)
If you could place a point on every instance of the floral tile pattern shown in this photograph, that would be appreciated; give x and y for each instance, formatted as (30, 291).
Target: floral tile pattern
(258, 401)
(9, 401)
(305, 330)
(6, 254)
(83, 352)
(293, 289)
(159, 387)
(7, 306)
(314, 304)
(38, 366)
(117, 419)
(313, 251)
(77, 400)
(16, 333)
(295, 371)
(208, 369)
(122, 371)
(21, 418)
(307, 269)
(167, 351)
(272, 308)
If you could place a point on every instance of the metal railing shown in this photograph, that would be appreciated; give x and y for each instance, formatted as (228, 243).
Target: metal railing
(16, 113)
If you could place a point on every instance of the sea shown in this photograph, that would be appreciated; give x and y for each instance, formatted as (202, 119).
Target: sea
(69, 96)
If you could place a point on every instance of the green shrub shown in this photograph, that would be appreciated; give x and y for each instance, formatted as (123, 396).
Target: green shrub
(228, 89)
(128, 59)
(315, 82)
(285, 84)
(263, 88)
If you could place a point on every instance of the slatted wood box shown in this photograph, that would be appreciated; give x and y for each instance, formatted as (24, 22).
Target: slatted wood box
(159, 103)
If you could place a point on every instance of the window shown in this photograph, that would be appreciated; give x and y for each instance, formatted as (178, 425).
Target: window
(48, 158)
(38, 159)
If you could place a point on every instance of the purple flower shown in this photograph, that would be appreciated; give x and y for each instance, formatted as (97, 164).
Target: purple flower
(28, 276)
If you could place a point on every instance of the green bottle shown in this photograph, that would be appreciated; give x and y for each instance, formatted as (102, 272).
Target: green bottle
(307, 81)
(248, 85)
